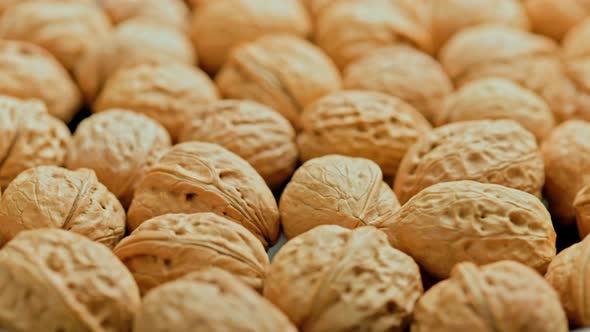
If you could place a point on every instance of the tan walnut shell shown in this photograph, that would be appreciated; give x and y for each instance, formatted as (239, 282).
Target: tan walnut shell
(173, 13)
(223, 24)
(202, 301)
(54, 197)
(575, 42)
(339, 190)
(119, 146)
(202, 177)
(29, 137)
(54, 280)
(503, 296)
(495, 99)
(283, 72)
(253, 131)
(315, 8)
(451, 222)
(170, 246)
(582, 206)
(555, 18)
(5, 4)
(364, 124)
(490, 151)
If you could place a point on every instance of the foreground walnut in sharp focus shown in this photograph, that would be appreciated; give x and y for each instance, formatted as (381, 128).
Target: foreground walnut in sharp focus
(555, 18)
(54, 197)
(503, 296)
(53, 280)
(173, 13)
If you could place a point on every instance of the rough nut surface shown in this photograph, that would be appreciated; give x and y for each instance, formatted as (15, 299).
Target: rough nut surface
(283, 72)
(255, 132)
(173, 13)
(54, 280)
(582, 206)
(119, 146)
(500, 152)
(555, 18)
(348, 192)
(29, 137)
(54, 197)
(202, 177)
(452, 222)
(503, 296)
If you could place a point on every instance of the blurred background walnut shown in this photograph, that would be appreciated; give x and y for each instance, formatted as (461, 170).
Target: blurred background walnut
(582, 206)
(5, 4)
(555, 18)
(172, 13)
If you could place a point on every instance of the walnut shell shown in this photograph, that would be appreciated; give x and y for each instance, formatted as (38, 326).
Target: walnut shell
(283, 72)
(54, 197)
(166, 92)
(200, 302)
(495, 99)
(364, 124)
(555, 18)
(582, 206)
(53, 280)
(173, 13)
(315, 8)
(335, 279)
(5, 4)
(119, 146)
(344, 191)
(30, 137)
(202, 177)
(575, 42)
(251, 130)
(503, 296)
(500, 152)
(451, 222)
(224, 24)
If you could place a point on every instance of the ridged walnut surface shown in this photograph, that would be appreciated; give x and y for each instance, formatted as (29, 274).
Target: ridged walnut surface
(170, 246)
(209, 300)
(283, 72)
(500, 152)
(29, 137)
(402, 72)
(504, 296)
(251, 130)
(582, 206)
(335, 279)
(119, 146)
(54, 197)
(223, 24)
(364, 124)
(173, 13)
(344, 191)
(202, 177)
(555, 18)
(452, 222)
(52, 280)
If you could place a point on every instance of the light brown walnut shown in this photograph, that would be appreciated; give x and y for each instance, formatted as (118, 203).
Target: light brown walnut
(315, 8)
(555, 18)
(5, 4)
(575, 42)
(172, 13)
(582, 206)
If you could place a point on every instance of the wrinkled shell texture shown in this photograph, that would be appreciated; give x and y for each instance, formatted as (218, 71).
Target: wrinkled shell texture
(495, 99)
(364, 124)
(173, 13)
(284, 72)
(29, 137)
(166, 92)
(500, 152)
(402, 72)
(582, 206)
(224, 24)
(208, 300)
(29, 71)
(261, 136)
(344, 191)
(54, 197)
(335, 279)
(53, 280)
(504, 296)
(119, 146)
(202, 177)
(555, 18)
(170, 246)
(452, 222)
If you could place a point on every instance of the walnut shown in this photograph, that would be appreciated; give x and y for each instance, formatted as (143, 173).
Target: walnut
(364, 124)
(119, 146)
(344, 191)
(54, 197)
(555, 18)
(345, 280)
(202, 177)
(251, 130)
(575, 42)
(452, 222)
(166, 92)
(503, 296)
(5, 4)
(402, 72)
(283, 72)
(315, 8)
(582, 206)
(30, 137)
(500, 152)
(173, 13)
(224, 24)
(53, 280)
